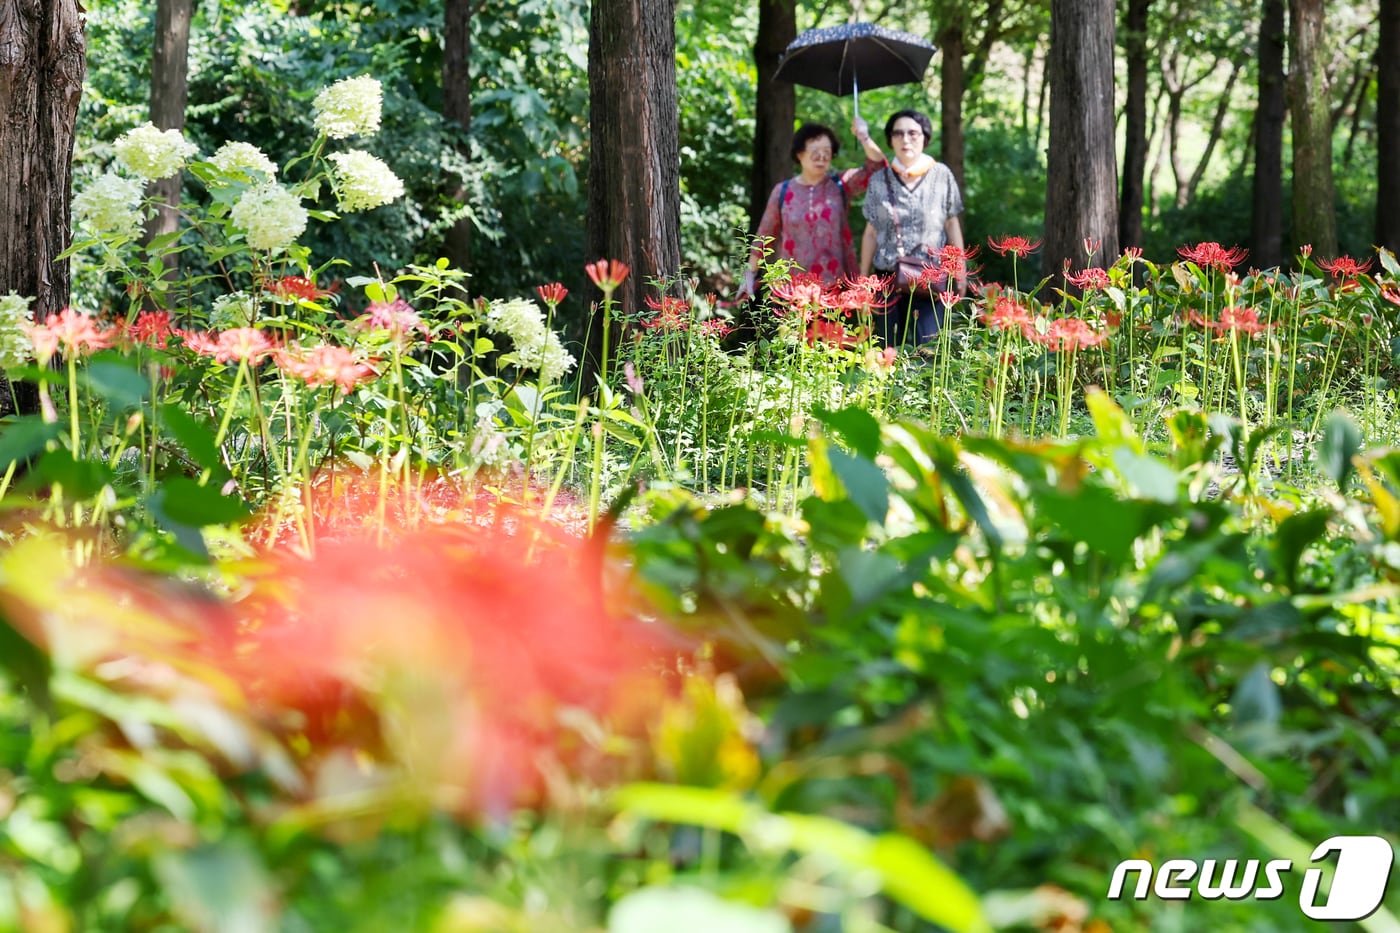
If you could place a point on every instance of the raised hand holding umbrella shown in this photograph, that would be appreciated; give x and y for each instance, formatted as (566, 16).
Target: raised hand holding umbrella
(843, 59)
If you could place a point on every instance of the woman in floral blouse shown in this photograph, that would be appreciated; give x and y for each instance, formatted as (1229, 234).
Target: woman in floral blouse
(805, 220)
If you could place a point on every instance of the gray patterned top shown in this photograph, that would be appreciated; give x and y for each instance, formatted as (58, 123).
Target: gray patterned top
(923, 211)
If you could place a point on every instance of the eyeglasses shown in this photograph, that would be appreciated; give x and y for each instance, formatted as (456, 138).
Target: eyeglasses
(817, 153)
(907, 134)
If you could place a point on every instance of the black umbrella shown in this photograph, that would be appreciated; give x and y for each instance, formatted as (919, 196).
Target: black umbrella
(844, 59)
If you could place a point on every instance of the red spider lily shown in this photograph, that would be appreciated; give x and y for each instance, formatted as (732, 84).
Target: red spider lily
(870, 283)
(673, 314)
(1089, 279)
(1391, 295)
(954, 260)
(395, 317)
(949, 299)
(151, 328)
(1213, 256)
(297, 288)
(1017, 246)
(833, 334)
(715, 327)
(1132, 253)
(1091, 245)
(324, 365)
(800, 295)
(552, 294)
(1306, 250)
(72, 330)
(1112, 318)
(1069, 334)
(1007, 314)
(881, 361)
(607, 274)
(244, 344)
(1346, 268)
(1240, 320)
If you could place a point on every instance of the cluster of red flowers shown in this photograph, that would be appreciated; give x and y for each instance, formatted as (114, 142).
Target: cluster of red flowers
(1233, 318)
(76, 333)
(607, 274)
(299, 288)
(1213, 256)
(396, 318)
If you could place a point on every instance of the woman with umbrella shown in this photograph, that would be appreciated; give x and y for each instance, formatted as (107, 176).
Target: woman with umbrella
(806, 217)
(912, 208)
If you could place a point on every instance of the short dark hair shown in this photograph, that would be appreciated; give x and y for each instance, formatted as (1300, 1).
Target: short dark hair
(924, 124)
(810, 131)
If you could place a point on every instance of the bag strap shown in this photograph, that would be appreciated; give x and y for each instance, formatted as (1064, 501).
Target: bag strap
(894, 214)
(841, 186)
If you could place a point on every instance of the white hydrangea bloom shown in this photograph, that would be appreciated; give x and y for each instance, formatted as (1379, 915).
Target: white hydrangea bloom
(108, 205)
(536, 347)
(348, 107)
(238, 309)
(153, 153)
(16, 349)
(272, 216)
(363, 182)
(242, 159)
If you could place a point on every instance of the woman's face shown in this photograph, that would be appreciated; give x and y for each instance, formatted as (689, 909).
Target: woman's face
(815, 157)
(907, 137)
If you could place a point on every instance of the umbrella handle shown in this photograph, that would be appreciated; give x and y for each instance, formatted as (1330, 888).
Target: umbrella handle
(855, 87)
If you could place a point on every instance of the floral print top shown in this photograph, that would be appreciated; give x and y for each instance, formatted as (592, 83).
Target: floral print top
(810, 226)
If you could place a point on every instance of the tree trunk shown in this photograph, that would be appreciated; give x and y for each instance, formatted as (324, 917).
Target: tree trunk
(1081, 202)
(634, 158)
(1388, 128)
(169, 93)
(1217, 129)
(457, 109)
(42, 61)
(1309, 100)
(1267, 220)
(1135, 130)
(775, 107)
(950, 91)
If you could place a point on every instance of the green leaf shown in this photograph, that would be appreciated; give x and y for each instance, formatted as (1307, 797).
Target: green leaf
(23, 437)
(1293, 536)
(1256, 699)
(1341, 440)
(856, 426)
(865, 484)
(195, 437)
(118, 383)
(182, 501)
(1148, 477)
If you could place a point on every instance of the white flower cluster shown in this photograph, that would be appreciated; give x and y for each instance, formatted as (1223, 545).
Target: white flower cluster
(536, 347)
(363, 182)
(153, 153)
(238, 309)
(236, 159)
(348, 107)
(15, 346)
(108, 205)
(272, 216)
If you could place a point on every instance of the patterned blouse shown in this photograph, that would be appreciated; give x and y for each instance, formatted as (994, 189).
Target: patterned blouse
(811, 228)
(923, 211)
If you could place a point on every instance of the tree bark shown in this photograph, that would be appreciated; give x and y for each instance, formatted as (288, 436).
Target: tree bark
(169, 94)
(1135, 120)
(1267, 216)
(1309, 100)
(634, 158)
(42, 62)
(775, 107)
(457, 109)
(1081, 202)
(953, 146)
(1217, 129)
(1388, 128)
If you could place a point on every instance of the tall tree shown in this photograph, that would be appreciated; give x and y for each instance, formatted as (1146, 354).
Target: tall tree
(634, 158)
(42, 63)
(1267, 216)
(1388, 128)
(457, 108)
(1081, 200)
(169, 94)
(775, 105)
(1309, 104)
(1135, 124)
(952, 143)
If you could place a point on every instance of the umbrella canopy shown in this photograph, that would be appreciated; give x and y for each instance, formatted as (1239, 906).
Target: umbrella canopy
(843, 59)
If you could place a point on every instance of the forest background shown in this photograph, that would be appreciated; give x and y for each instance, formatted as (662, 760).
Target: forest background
(493, 134)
